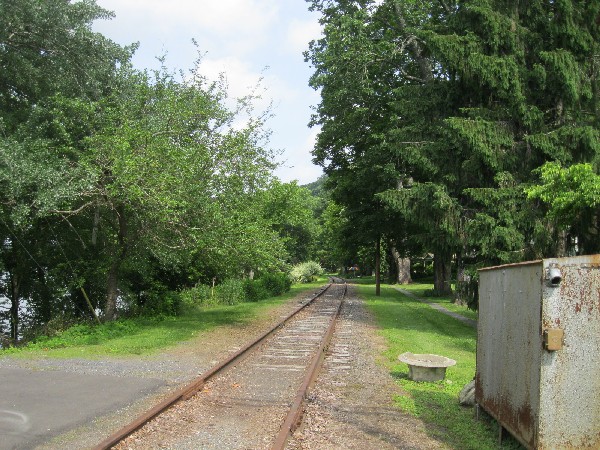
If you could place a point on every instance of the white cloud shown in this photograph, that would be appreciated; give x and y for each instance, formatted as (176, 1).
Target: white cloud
(240, 77)
(243, 79)
(238, 38)
(300, 33)
(236, 27)
(223, 17)
(298, 164)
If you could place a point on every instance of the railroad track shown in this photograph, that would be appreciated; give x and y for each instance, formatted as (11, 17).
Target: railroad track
(254, 399)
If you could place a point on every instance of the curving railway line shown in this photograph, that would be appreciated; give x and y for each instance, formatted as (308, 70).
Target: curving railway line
(255, 398)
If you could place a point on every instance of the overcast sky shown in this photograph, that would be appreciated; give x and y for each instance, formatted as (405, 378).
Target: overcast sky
(246, 39)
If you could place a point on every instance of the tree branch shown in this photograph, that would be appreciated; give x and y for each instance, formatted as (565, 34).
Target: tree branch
(423, 63)
(445, 6)
(72, 212)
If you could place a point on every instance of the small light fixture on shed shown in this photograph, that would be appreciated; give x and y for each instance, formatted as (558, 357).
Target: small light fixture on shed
(553, 276)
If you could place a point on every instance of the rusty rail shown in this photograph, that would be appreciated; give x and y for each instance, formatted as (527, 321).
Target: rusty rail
(196, 385)
(294, 417)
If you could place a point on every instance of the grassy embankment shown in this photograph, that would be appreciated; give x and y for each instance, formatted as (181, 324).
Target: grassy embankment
(411, 326)
(143, 336)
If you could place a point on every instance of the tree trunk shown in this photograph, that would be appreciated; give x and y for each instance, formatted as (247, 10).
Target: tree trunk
(15, 288)
(404, 271)
(45, 297)
(403, 267)
(562, 244)
(95, 226)
(442, 265)
(378, 267)
(112, 281)
(417, 52)
(112, 290)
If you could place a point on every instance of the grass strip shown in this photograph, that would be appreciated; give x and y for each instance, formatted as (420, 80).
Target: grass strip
(421, 290)
(144, 336)
(411, 326)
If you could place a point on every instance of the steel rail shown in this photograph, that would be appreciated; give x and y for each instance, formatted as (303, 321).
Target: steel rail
(197, 384)
(294, 416)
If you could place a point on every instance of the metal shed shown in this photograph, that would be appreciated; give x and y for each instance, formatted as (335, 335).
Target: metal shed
(538, 351)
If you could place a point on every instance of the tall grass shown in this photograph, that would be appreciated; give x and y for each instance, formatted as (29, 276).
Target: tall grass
(411, 326)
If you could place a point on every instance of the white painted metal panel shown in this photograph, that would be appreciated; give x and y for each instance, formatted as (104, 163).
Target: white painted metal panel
(570, 377)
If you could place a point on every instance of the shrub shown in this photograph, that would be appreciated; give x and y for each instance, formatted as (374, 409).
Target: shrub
(197, 296)
(160, 301)
(306, 272)
(276, 283)
(255, 290)
(55, 326)
(230, 292)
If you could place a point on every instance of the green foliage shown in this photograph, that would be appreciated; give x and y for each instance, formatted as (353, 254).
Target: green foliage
(433, 116)
(234, 291)
(199, 295)
(230, 292)
(306, 272)
(276, 283)
(161, 301)
(572, 197)
(144, 335)
(255, 290)
(290, 209)
(467, 289)
(138, 184)
(48, 47)
(85, 334)
(568, 191)
(268, 285)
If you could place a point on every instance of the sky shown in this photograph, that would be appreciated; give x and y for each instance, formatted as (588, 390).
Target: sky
(245, 39)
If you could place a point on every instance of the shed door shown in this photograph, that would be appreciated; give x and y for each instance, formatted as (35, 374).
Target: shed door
(509, 347)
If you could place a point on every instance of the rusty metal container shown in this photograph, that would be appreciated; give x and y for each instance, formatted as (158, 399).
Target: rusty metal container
(538, 351)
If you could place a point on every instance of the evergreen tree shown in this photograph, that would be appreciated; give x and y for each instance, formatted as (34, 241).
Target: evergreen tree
(458, 102)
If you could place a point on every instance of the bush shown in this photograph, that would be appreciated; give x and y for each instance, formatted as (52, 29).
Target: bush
(230, 292)
(467, 290)
(276, 283)
(160, 301)
(255, 290)
(55, 326)
(199, 295)
(421, 269)
(306, 272)
(234, 291)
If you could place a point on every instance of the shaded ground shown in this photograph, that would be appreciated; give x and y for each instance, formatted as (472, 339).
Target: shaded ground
(472, 323)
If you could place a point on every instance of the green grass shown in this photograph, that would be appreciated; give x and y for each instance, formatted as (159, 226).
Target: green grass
(419, 289)
(411, 326)
(144, 336)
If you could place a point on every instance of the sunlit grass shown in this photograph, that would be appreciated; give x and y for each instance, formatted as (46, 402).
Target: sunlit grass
(411, 326)
(144, 336)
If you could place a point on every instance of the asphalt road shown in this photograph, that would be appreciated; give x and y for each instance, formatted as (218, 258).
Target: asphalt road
(38, 405)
